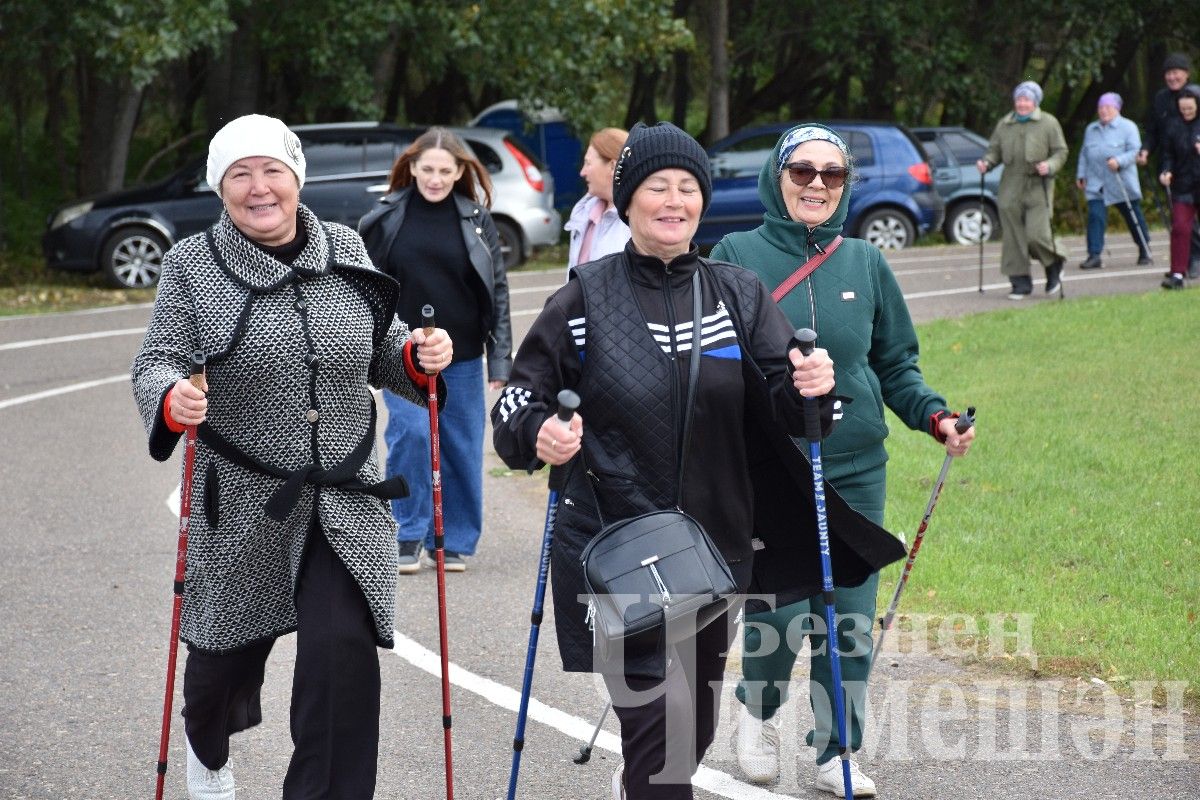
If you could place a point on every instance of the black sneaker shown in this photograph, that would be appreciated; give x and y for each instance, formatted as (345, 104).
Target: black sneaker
(1175, 281)
(1054, 276)
(1091, 262)
(455, 562)
(410, 558)
(1145, 261)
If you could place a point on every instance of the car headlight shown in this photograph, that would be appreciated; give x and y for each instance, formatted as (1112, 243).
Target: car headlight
(66, 215)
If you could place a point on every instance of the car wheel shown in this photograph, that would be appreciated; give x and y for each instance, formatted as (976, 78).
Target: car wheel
(510, 243)
(963, 223)
(887, 229)
(132, 258)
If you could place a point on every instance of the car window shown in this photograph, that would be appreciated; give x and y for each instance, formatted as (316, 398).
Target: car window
(744, 158)
(487, 156)
(334, 157)
(965, 150)
(861, 148)
(381, 152)
(937, 156)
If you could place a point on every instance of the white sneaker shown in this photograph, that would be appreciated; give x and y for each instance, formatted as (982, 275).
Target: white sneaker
(756, 743)
(829, 779)
(207, 784)
(618, 783)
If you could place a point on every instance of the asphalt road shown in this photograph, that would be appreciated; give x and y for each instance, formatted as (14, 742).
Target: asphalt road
(87, 544)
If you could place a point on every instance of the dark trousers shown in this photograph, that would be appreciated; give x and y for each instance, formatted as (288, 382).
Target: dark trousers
(335, 688)
(1183, 218)
(666, 732)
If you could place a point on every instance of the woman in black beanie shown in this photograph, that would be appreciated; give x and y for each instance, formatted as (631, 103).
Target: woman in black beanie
(621, 334)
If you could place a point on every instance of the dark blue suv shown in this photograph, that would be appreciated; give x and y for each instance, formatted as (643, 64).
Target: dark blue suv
(893, 200)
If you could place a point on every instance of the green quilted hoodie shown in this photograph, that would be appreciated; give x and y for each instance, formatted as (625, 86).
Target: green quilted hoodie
(855, 305)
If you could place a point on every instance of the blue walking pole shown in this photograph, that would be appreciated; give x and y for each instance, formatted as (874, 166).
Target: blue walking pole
(568, 401)
(806, 340)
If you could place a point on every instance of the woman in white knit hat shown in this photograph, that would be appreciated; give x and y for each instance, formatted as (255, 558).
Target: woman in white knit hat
(289, 524)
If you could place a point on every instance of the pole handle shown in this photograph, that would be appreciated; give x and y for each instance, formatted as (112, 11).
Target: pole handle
(806, 340)
(427, 326)
(197, 377)
(568, 401)
(966, 420)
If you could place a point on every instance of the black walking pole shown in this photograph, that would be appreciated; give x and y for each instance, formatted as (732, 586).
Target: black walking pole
(1058, 259)
(185, 511)
(585, 752)
(1133, 217)
(568, 401)
(962, 425)
(982, 217)
(806, 340)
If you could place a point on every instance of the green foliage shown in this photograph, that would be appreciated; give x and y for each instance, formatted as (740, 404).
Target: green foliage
(1078, 502)
(575, 56)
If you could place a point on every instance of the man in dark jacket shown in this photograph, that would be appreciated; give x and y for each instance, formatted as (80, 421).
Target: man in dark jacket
(1176, 70)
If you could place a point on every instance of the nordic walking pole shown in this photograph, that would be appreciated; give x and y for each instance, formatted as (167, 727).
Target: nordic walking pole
(806, 340)
(1133, 217)
(962, 425)
(585, 753)
(982, 217)
(185, 510)
(439, 550)
(568, 401)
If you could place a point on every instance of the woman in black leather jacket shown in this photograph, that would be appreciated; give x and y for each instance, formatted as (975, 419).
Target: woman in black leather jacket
(439, 242)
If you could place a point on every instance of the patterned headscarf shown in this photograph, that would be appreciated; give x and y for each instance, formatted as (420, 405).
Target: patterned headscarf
(808, 134)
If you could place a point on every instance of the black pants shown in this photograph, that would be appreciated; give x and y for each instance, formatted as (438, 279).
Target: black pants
(335, 688)
(665, 736)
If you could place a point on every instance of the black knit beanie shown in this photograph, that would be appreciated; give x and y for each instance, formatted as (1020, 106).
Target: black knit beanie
(1177, 61)
(649, 149)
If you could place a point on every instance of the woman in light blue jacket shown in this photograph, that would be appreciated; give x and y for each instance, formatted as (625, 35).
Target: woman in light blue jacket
(1107, 173)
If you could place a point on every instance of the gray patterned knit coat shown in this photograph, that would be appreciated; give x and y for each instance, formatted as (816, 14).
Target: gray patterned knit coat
(290, 352)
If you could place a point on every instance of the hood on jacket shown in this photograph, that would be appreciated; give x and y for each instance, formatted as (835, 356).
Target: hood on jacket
(778, 226)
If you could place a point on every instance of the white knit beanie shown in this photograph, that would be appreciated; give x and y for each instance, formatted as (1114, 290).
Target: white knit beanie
(253, 135)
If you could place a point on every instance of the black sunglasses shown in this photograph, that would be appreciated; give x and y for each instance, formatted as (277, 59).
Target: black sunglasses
(802, 174)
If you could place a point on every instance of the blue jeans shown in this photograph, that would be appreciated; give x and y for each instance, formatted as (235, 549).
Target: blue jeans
(460, 434)
(1097, 223)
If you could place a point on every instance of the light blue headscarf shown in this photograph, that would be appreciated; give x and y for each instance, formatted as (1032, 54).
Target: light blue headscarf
(809, 133)
(1029, 89)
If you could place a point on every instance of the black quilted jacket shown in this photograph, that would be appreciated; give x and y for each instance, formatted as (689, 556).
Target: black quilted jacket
(621, 335)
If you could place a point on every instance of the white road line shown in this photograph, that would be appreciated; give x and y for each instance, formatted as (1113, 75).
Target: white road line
(74, 387)
(712, 780)
(80, 313)
(77, 337)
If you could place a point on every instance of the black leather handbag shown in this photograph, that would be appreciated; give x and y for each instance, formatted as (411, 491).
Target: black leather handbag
(657, 575)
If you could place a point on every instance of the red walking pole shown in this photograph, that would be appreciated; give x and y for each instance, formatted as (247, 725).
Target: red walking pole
(439, 551)
(185, 509)
(962, 425)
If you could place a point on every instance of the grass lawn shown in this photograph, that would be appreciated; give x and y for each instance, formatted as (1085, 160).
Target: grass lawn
(1079, 504)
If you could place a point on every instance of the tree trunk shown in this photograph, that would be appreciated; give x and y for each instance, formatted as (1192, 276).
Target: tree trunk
(108, 112)
(718, 85)
(641, 97)
(234, 77)
(682, 86)
(53, 125)
(384, 72)
(397, 85)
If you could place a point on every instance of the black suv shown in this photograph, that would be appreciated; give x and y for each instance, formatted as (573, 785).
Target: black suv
(125, 234)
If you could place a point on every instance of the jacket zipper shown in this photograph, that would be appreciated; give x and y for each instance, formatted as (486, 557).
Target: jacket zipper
(672, 337)
(808, 284)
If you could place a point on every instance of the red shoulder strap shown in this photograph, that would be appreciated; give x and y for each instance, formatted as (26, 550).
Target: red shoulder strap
(806, 269)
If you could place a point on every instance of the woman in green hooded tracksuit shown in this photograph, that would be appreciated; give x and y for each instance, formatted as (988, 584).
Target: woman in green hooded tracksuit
(854, 304)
